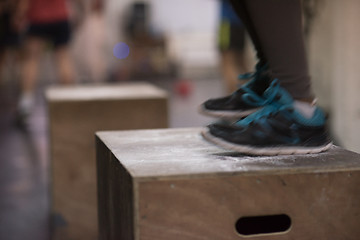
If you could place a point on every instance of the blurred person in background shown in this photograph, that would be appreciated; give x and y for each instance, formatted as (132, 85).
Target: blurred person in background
(90, 44)
(149, 57)
(231, 41)
(48, 22)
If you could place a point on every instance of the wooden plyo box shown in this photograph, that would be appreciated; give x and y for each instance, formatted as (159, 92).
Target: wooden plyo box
(76, 113)
(172, 184)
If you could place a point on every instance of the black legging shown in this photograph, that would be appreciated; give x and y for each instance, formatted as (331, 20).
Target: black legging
(275, 28)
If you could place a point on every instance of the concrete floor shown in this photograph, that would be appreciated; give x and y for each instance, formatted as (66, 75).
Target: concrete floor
(24, 156)
(24, 201)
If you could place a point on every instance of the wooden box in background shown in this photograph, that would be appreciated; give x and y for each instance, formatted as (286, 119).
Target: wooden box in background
(76, 113)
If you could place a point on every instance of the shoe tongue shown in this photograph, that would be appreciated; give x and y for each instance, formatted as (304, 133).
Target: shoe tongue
(275, 93)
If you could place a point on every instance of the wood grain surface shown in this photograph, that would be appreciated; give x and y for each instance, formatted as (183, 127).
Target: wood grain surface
(182, 187)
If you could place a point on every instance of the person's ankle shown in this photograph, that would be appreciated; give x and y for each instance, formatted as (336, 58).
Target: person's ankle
(305, 107)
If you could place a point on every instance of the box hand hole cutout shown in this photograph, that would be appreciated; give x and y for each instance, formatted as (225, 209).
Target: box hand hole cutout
(256, 225)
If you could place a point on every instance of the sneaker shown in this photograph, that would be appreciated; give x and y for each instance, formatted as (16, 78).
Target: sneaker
(244, 101)
(276, 129)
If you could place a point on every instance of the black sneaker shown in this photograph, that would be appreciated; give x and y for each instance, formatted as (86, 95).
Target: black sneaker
(244, 101)
(276, 129)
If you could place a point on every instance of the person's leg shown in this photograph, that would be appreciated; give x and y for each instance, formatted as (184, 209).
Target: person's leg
(33, 47)
(288, 123)
(234, 105)
(241, 10)
(60, 34)
(276, 30)
(232, 62)
(278, 25)
(64, 65)
(231, 45)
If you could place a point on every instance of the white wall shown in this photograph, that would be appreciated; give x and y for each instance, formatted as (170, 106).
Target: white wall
(177, 16)
(335, 66)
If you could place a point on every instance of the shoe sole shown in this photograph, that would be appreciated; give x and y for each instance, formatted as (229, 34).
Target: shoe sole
(273, 151)
(226, 114)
